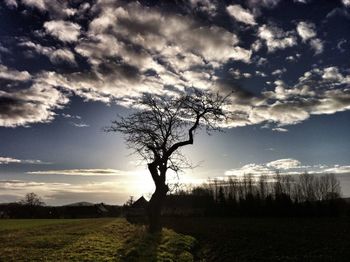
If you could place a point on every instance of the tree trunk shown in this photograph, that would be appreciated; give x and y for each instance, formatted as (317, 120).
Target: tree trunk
(155, 208)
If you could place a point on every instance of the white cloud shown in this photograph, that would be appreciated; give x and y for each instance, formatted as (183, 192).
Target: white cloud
(290, 58)
(241, 14)
(289, 105)
(10, 160)
(306, 30)
(317, 45)
(71, 116)
(253, 169)
(237, 74)
(188, 50)
(57, 9)
(346, 3)
(63, 30)
(287, 163)
(62, 55)
(332, 73)
(55, 55)
(338, 170)
(288, 166)
(275, 38)
(259, 73)
(80, 124)
(279, 71)
(152, 30)
(40, 4)
(12, 74)
(279, 129)
(256, 46)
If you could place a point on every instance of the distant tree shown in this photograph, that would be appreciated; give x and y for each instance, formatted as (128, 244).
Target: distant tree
(334, 190)
(130, 201)
(160, 128)
(263, 187)
(306, 185)
(31, 199)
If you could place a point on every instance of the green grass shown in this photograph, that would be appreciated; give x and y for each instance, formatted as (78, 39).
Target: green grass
(10, 224)
(89, 240)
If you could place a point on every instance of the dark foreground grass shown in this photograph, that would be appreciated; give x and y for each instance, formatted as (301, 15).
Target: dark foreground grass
(268, 239)
(218, 239)
(89, 240)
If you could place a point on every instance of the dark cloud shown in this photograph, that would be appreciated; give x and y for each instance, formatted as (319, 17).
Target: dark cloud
(55, 55)
(27, 106)
(119, 70)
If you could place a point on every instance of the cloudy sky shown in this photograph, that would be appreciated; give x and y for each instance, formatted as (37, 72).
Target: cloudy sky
(67, 68)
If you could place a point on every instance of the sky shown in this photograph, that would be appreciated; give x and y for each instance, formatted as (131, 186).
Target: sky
(68, 68)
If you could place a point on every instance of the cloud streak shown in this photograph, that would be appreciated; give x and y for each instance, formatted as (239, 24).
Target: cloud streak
(10, 160)
(81, 172)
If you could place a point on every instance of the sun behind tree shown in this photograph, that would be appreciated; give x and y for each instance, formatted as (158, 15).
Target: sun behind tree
(160, 127)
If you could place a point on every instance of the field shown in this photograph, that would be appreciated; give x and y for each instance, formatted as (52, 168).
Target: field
(89, 240)
(202, 239)
(268, 239)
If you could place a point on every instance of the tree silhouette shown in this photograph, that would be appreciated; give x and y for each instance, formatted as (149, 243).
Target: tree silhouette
(160, 127)
(32, 199)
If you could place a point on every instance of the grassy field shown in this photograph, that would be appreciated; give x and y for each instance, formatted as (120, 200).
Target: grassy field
(217, 239)
(89, 240)
(268, 239)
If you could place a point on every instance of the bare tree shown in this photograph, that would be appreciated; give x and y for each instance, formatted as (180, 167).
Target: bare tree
(263, 187)
(334, 187)
(307, 189)
(32, 199)
(160, 128)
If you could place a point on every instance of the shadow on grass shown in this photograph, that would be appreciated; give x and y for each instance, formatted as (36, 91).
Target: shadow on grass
(163, 246)
(94, 240)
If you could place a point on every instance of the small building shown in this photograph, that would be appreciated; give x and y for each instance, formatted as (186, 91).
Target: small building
(137, 212)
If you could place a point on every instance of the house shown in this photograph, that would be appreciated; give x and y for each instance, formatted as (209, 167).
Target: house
(137, 212)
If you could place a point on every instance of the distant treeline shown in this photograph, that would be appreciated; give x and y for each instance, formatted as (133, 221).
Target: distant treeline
(278, 195)
(20, 210)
